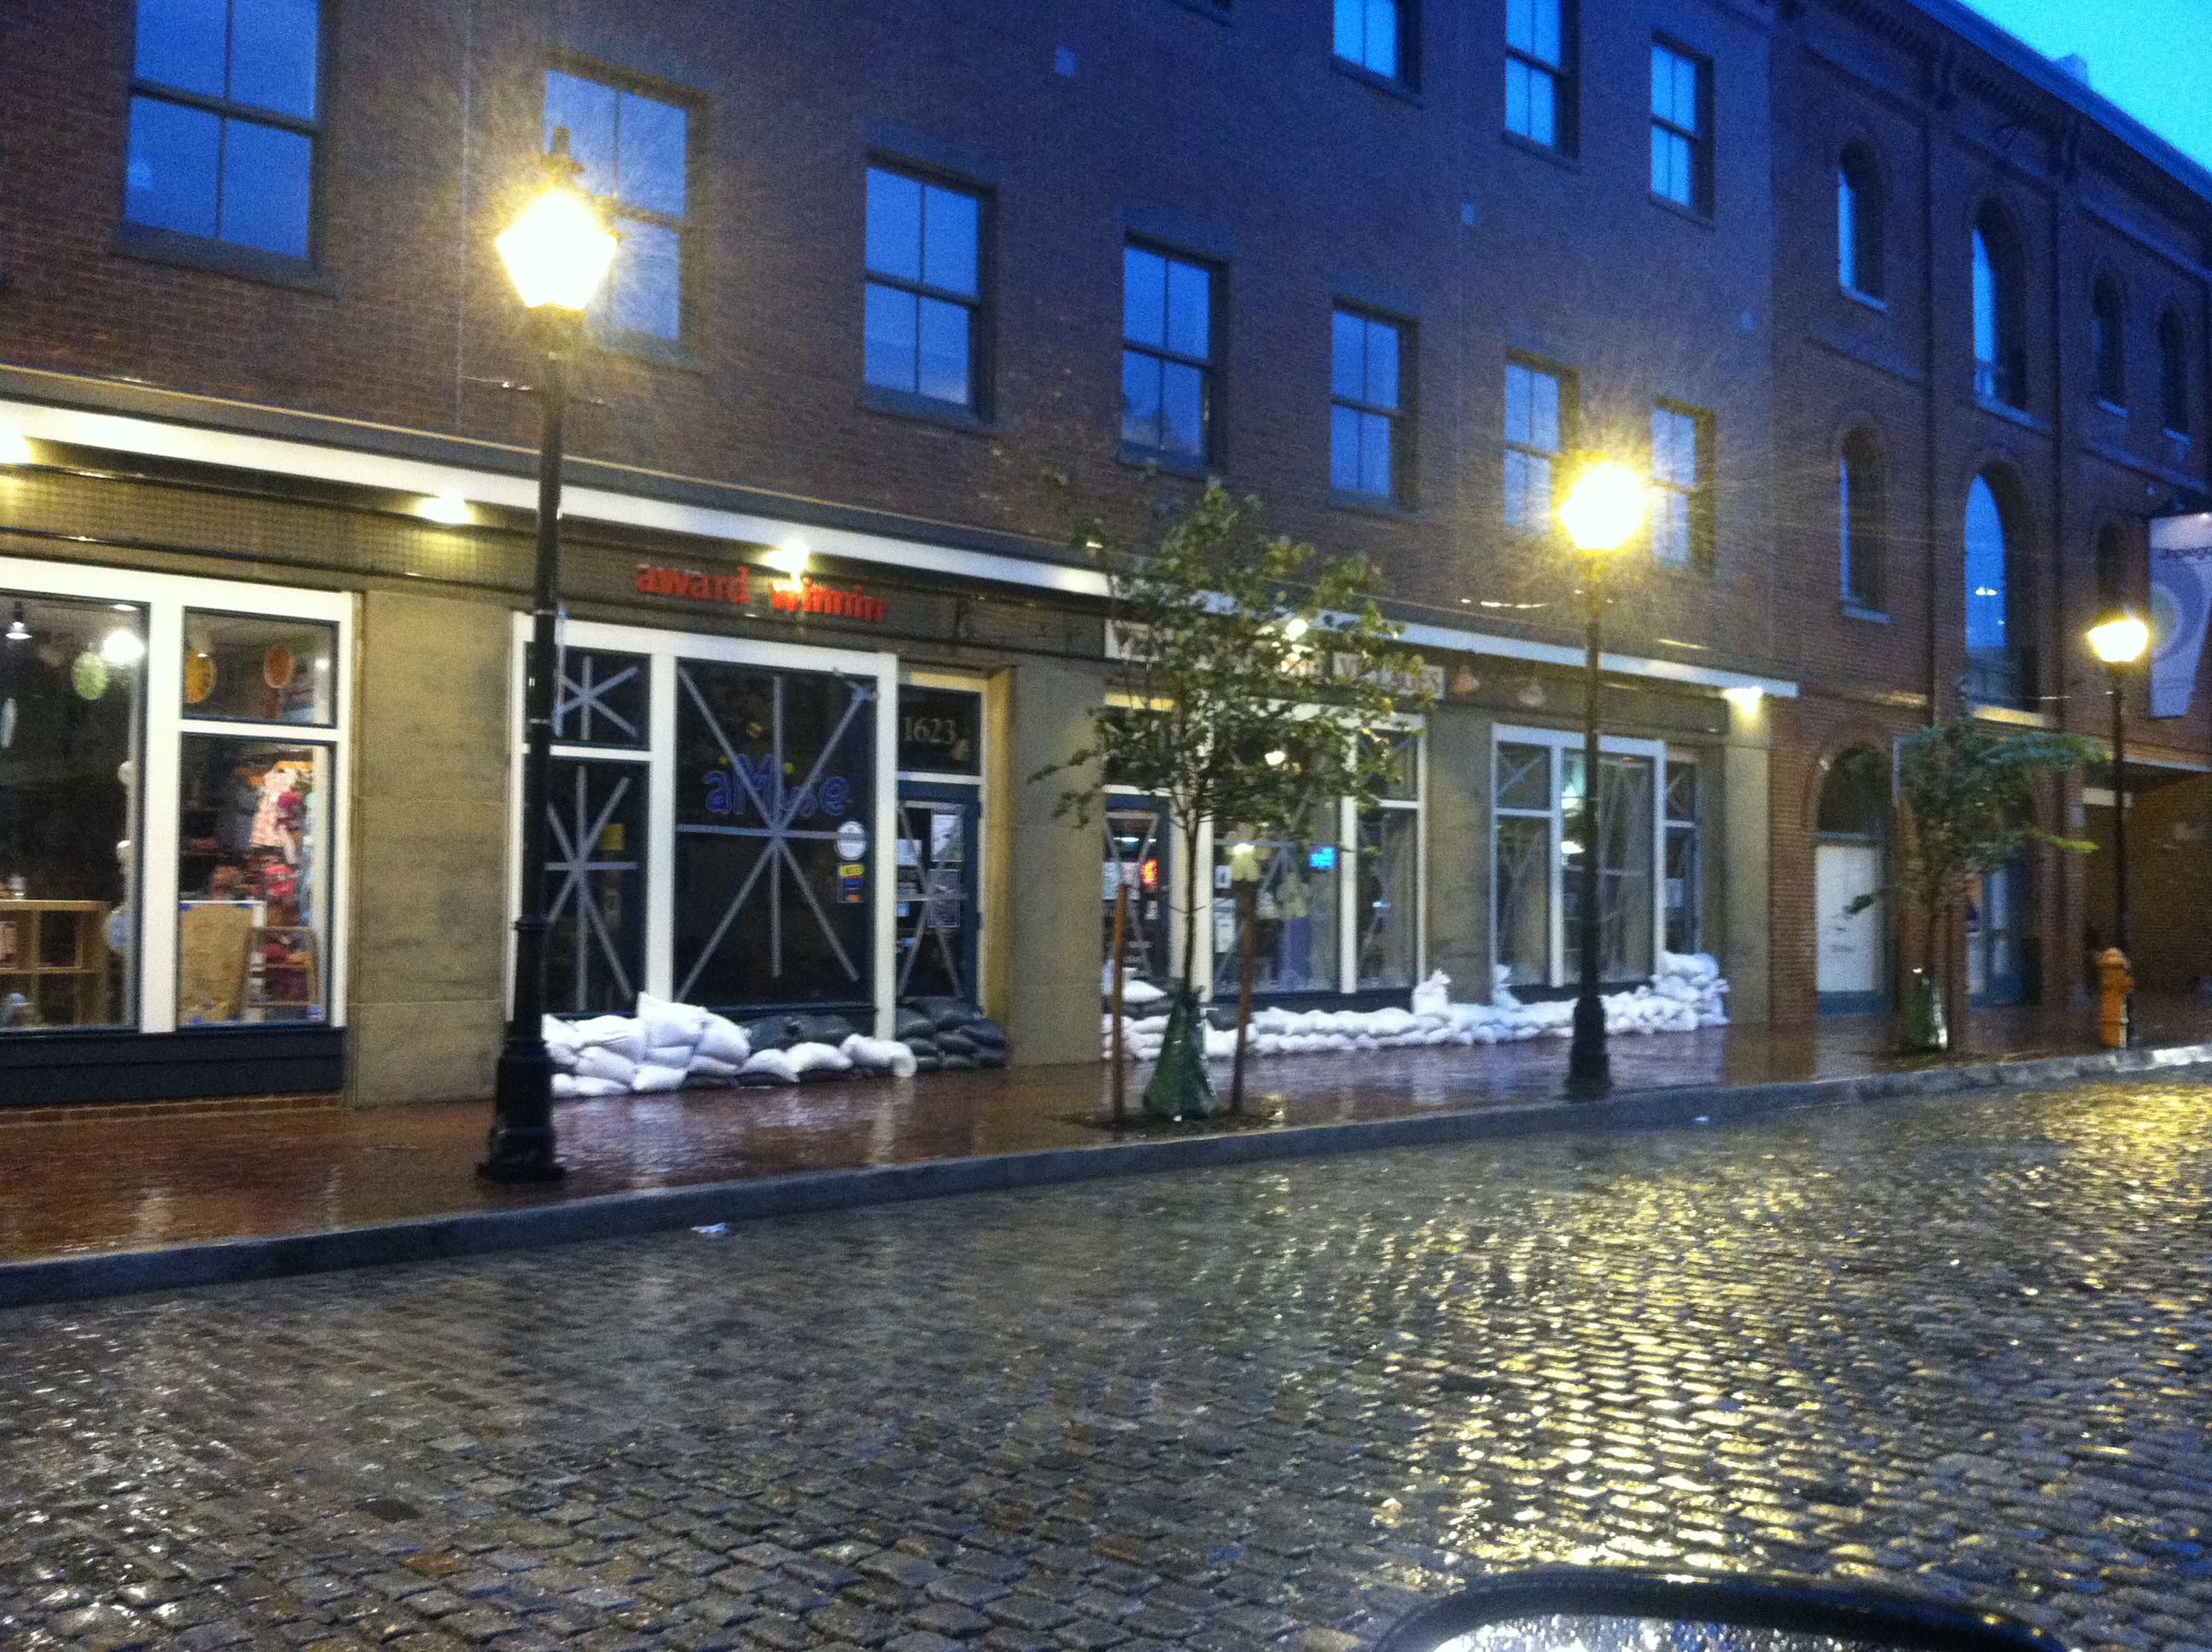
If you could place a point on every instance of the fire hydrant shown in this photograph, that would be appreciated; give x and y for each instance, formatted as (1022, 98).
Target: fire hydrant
(2112, 1011)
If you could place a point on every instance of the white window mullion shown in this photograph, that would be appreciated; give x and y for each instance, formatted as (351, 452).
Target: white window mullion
(1347, 895)
(158, 822)
(660, 827)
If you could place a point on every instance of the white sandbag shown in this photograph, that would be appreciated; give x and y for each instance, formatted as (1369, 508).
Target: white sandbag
(1390, 1021)
(653, 1080)
(568, 1087)
(660, 1014)
(1433, 996)
(879, 1055)
(604, 1061)
(771, 1064)
(723, 1041)
(706, 1069)
(667, 1055)
(819, 1058)
(618, 1033)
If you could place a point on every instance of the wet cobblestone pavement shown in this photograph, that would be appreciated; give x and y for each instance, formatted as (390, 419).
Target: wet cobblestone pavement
(1957, 1345)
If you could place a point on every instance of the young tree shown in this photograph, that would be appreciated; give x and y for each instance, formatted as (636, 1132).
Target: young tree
(1969, 792)
(1255, 680)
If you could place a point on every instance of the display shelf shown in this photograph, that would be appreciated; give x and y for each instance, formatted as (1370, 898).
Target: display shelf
(75, 973)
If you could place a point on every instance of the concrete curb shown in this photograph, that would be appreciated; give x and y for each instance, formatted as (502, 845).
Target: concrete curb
(625, 1215)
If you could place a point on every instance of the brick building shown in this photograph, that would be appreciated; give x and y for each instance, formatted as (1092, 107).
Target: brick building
(895, 282)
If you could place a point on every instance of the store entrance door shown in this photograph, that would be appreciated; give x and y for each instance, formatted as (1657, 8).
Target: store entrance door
(937, 862)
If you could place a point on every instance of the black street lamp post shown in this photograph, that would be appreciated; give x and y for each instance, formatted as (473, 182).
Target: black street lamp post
(2118, 639)
(557, 253)
(1604, 510)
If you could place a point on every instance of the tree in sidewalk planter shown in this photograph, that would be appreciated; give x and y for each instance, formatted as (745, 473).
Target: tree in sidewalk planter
(1255, 683)
(1968, 790)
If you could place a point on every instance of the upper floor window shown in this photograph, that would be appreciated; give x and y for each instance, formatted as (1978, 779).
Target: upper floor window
(1167, 354)
(225, 99)
(925, 294)
(1377, 34)
(2173, 372)
(2108, 336)
(1366, 445)
(635, 153)
(1682, 486)
(1532, 445)
(1859, 222)
(1997, 668)
(1681, 143)
(1859, 526)
(1539, 94)
(2000, 363)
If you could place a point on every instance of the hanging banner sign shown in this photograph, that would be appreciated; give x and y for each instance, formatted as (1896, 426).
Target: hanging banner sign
(2180, 606)
(800, 595)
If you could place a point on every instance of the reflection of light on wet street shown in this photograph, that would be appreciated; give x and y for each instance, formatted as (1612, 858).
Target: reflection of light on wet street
(1955, 1346)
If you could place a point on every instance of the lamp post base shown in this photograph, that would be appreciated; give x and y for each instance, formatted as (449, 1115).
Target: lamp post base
(520, 1148)
(1590, 1067)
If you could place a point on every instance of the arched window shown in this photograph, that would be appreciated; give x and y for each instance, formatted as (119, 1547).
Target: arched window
(1859, 222)
(2173, 372)
(2108, 341)
(2000, 363)
(1996, 658)
(1858, 516)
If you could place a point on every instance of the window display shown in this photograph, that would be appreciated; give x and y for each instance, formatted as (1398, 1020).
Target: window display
(246, 668)
(251, 914)
(1136, 858)
(71, 694)
(1294, 937)
(1389, 889)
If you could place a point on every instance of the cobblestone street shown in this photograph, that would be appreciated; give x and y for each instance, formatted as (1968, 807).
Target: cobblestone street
(1960, 1346)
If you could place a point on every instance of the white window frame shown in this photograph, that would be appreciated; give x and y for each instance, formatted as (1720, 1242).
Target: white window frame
(663, 647)
(1563, 741)
(164, 598)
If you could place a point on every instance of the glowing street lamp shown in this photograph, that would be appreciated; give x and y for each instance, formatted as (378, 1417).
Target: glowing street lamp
(557, 254)
(2120, 639)
(1603, 513)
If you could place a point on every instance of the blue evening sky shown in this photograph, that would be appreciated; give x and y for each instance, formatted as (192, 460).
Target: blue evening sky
(2150, 57)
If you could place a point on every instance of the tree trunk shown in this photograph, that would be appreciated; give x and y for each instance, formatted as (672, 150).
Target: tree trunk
(1120, 930)
(1248, 904)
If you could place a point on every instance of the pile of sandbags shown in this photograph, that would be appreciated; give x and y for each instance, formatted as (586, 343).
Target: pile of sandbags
(1685, 992)
(949, 1034)
(667, 1046)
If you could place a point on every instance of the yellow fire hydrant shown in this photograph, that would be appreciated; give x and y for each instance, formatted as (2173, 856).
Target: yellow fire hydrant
(2112, 1011)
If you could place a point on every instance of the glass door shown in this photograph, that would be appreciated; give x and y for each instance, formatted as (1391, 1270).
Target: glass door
(937, 861)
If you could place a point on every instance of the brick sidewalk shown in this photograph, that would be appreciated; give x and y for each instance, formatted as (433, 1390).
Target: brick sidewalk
(89, 1180)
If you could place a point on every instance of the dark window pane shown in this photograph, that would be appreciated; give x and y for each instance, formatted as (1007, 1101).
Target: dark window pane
(771, 765)
(940, 729)
(172, 174)
(1143, 297)
(71, 697)
(1140, 399)
(891, 330)
(1522, 874)
(647, 293)
(652, 154)
(1389, 869)
(1525, 777)
(181, 43)
(264, 670)
(595, 887)
(272, 55)
(266, 177)
(587, 110)
(949, 239)
(894, 225)
(1347, 355)
(1183, 398)
(944, 363)
(1190, 293)
(1136, 858)
(602, 699)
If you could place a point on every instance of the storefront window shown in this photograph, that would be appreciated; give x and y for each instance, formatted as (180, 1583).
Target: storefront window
(603, 698)
(1389, 896)
(1624, 868)
(1294, 937)
(774, 806)
(252, 910)
(1136, 858)
(1685, 926)
(72, 693)
(1521, 896)
(595, 887)
(251, 669)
